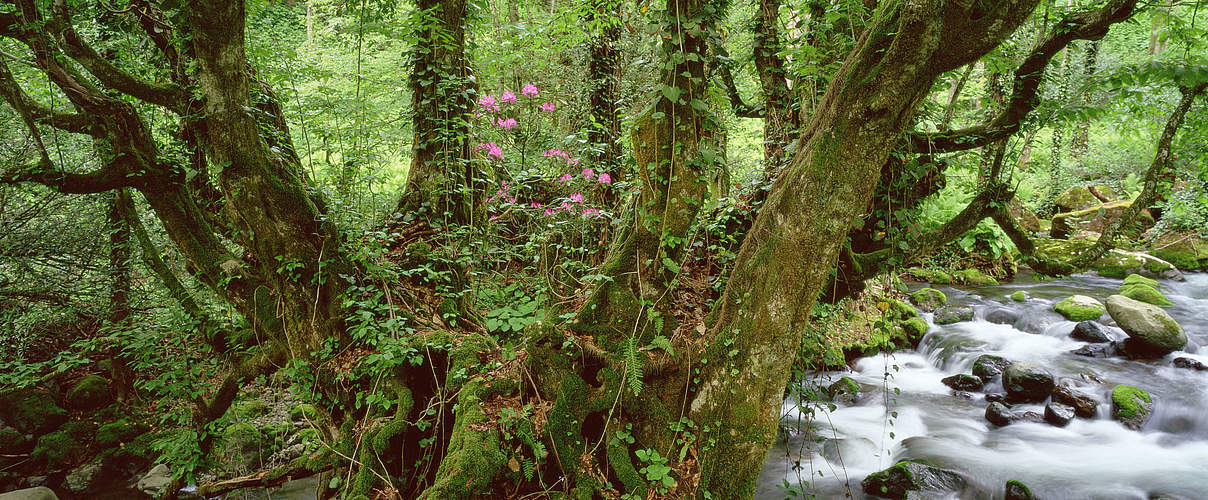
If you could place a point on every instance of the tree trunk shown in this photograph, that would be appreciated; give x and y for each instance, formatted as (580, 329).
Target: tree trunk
(603, 79)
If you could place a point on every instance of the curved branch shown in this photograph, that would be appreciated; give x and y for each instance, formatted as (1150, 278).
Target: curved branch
(721, 65)
(46, 174)
(1025, 95)
(23, 103)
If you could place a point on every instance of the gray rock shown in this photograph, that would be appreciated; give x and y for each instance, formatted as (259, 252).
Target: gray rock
(947, 315)
(962, 382)
(38, 493)
(1084, 405)
(1190, 364)
(1091, 331)
(1002, 316)
(1026, 382)
(1151, 331)
(987, 366)
(903, 478)
(1096, 350)
(1058, 414)
(154, 482)
(82, 478)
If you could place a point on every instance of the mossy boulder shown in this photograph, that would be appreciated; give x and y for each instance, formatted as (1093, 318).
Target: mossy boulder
(113, 434)
(928, 298)
(251, 408)
(987, 366)
(1131, 406)
(1060, 254)
(1144, 293)
(1137, 279)
(1080, 308)
(1019, 296)
(963, 382)
(974, 277)
(1027, 383)
(31, 411)
(13, 441)
(58, 450)
(948, 315)
(899, 480)
(1188, 252)
(843, 390)
(933, 276)
(303, 412)
(1018, 491)
(1026, 218)
(915, 328)
(1151, 331)
(243, 445)
(1097, 218)
(1081, 197)
(89, 393)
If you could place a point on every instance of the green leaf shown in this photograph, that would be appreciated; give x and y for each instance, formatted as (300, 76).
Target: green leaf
(672, 93)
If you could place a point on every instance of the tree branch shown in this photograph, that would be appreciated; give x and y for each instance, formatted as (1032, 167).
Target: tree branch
(721, 64)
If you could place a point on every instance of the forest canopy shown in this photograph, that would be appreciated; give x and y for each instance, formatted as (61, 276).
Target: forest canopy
(571, 249)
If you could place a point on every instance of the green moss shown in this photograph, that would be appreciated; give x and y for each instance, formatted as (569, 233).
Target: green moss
(31, 411)
(1020, 490)
(929, 298)
(900, 309)
(1134, 279)
(81, 430)
(250, 408)
(1019, 296)
(1127, 399)
(115, 433)
(474, 457)
(1079, 309)
(1157, 266)
(974, 277)
(58, 450)
(915, 328)
(935, 276)
(12, 440)
(303, 412)
(89, 393)
(1145, 293)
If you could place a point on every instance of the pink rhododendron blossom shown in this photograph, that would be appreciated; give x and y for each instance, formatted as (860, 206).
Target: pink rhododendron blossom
(590, 211)
(588, 173)
(572, 161)
(576, 197)
(506, 123)
(507, 97)
(566, 178)
(548, 107)
(535, 204)
(488, 101)
(491, 148)
(529, 90)
(492, 218)
(550, 211)
(604, 178)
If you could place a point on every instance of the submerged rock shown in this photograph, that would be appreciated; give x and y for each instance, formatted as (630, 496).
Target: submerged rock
(1026, 382)
(962, 382)
(987, 366)
(1151, 331)
(1017, 491)
(927, 299)
(948, 315)
(1002, 316)
(1090, 331)
(1083, 404)
(1058, 414)
(1131, 406)
(908, 476)
(1080, 308)
(844, 390)
(1190, 364)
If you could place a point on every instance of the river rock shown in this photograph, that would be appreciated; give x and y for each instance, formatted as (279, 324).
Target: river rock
(987, 366)
(1190, 364)
(1131, 406)
(1080, 308)
(31, 411)
(1151, 331)
(1002, 316)
(1026, 382)
(39, 493)
(154, 482)
(1097, 350)
(947, 315)
(89, 393)
(927, 299)
(908, 476)
(995, 397)
(1017, 491)
(83, 478)
(1083, 404)
(1145, 293)
(844, 390)
(1091, 331)
(962, 382)
(1019, 296)
(1137, 279)
(1058, 414)
(1001, 415)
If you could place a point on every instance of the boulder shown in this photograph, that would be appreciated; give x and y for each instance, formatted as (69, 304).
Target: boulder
(1083, 404)
(1017, 491)
(1116, 264)
(974, 277)
(58, 450)
(1001, 415)
(844, 390)
(1058, 414)
(1137, 279)
(962, 382)
(1097, 350)
(1091, 331)
(933, 276)
(1151, 331)
(947, 315)
(1188, 252)
(1002, 316)
(927, 299)
(1144, 293)
(84, 477)
(1131, 406)
(1079, 308)
(89, 393)
(1190, 364)
(1026, 382)
(154, 482)
(12, 441)
(909, 476)
(1026, 218)
(1019, 296)
(915, 328)
(1096, 219)
(1082, 197)
(39, 493)
(31, 411)
(987, 366)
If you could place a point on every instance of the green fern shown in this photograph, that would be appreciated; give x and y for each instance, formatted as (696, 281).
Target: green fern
(633, 368)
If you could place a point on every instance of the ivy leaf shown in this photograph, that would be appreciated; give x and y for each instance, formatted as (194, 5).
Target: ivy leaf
(672, 93)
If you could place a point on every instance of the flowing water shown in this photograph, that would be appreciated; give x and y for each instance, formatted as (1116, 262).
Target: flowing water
(905, 411)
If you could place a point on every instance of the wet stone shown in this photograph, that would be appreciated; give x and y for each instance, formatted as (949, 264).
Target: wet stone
(1083, 404)
(1091, 331)
(1189, 364)
(1058, 414)
(963, 382)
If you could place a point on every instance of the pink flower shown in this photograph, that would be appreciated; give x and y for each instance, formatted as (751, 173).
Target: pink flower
(576, 197)
(535, 204)
(506, 123)
(507, 97)
(590, 212)
(566, 178)
(488, 101)
(572, 161)
(604, 178)
(492, 149)
(588, 173)
(493, 217)
(550, 211)
(529, 90)
(548, 107)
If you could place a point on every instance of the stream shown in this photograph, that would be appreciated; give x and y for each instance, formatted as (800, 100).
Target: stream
(904, 411)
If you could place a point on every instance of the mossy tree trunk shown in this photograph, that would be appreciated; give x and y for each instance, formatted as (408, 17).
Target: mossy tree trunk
(761, 316)
(603, 80)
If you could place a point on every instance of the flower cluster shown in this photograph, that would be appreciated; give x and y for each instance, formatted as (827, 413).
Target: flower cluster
(491, 148)
(565, 155)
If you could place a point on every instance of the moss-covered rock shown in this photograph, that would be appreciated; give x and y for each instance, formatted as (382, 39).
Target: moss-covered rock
(12, 441)
(1025, 216)
(974, 277)
(243, 445)
(303, 412)
(58, 450)
(1145, 293)
(1116, 264)
(1080, 308)
(1097, 218)
(251, 408)
(844, 390)
(899, 480)
(1131, 406)
(1188, 252)
(1081, 197)
(915, 328)
(1151, 331)
(933, 276)
(1019, 296)
(952, 314)
(1018, 491)
(1137, 279)
(113, 434)
(987, 366)
(31, 411)
(89, 393)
